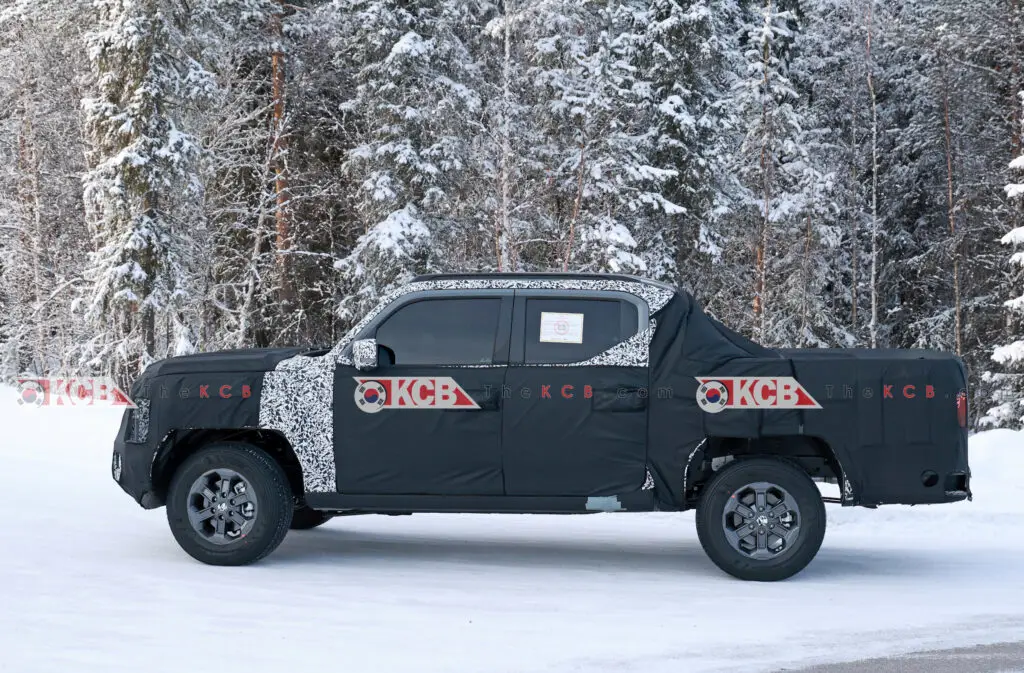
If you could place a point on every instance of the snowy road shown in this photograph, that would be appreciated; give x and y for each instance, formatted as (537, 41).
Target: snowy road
(998, 658)
(90, 582)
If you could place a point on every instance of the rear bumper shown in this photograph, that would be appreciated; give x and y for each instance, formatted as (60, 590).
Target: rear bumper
(918, 475)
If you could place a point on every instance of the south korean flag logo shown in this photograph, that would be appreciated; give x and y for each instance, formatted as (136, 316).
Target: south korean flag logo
(371, 396)
(712, 396)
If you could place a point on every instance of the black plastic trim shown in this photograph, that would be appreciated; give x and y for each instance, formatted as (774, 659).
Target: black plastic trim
(641, 501)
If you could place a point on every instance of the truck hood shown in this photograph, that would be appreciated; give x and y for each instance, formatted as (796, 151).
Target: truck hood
(241, 360)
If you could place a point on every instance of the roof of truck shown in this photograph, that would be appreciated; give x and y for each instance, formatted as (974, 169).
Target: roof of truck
(539, 275)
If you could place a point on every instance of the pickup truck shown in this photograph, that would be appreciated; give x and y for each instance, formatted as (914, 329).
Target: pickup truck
(542, 393)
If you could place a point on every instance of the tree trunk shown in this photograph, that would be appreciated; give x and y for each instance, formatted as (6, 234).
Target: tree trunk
(805, 273)
(855, 213)
(951, 210)
(503, 233)
(576, 206)
(147, 317)
(282, 215)
(873, 324)
(28, 160)
(761, 252)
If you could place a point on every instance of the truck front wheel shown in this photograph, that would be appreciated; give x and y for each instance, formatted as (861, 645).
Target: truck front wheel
(229, 504)
(761, 519)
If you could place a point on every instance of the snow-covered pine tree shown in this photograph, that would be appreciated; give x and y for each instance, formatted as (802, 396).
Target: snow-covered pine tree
(415, 110)
(41, 229)
(141, 187)
(1008, 385)
(690, 57)
(822, 276)
(771, 163)
(257, 192)
(597, 113)
(831, 71)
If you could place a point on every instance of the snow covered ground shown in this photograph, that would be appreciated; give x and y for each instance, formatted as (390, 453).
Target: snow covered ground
(91, 582)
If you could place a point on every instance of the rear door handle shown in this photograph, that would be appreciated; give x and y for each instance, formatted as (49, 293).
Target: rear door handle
(621, 399)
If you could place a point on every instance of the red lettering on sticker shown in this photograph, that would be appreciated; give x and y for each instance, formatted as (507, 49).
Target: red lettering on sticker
(567, 391)
(545, 392)
(223, 394)
(753, 392)
(204, 392)
(588, 392)
(887, 392)
(246, 392)
(909, 395)
(929, 391)
(426, 392)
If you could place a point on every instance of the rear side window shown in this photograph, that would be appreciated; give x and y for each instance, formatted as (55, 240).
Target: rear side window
(443, 331)
(570, 330)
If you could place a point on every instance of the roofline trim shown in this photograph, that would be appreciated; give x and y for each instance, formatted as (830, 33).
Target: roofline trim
(538, 275)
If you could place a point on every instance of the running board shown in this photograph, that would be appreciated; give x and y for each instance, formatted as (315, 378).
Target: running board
(837, 501)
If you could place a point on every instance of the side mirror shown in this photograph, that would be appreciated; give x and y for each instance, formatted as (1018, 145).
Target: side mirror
(364, 354)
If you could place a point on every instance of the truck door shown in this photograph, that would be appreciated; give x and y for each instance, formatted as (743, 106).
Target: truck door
(575, 410)
(396, 429)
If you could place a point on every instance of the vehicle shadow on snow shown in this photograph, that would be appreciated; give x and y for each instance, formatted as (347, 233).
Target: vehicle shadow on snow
(333, 544)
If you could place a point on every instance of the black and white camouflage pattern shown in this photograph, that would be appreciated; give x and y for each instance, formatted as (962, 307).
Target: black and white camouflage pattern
(363, 350)
(297, 401)
(655, 296)
(298, 394)
(140, 419)
(648, 482)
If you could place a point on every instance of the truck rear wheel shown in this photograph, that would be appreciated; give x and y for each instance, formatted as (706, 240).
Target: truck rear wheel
(761, 519)
(229, 504)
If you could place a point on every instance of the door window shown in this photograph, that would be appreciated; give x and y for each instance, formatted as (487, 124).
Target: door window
(443, 331)
(560, 330)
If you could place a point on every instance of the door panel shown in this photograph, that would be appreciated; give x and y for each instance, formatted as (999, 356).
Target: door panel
(557, 441)
(420, 450)
(573, 430)
(396, 431)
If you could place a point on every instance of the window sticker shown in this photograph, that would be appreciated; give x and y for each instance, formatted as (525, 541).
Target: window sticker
(561, 328)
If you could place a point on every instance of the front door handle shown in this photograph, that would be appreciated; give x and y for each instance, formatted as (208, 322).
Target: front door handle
(486, 402)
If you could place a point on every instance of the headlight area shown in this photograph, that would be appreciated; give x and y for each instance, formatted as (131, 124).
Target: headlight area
(137, 427)
(132, 459)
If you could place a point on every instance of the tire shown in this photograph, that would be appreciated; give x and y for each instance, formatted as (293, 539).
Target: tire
(791, 537)
(248, 486)
(306, 518)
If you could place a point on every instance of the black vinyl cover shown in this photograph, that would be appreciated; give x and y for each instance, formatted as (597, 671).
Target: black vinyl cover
(888, 416)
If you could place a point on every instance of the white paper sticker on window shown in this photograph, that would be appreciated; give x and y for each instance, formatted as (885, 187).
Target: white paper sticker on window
(562, 328)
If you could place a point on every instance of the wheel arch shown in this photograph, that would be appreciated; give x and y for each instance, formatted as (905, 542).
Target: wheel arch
(178, 445)
(811, 454)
